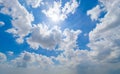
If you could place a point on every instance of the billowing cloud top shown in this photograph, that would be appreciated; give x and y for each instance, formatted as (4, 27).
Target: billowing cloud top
(49, 37)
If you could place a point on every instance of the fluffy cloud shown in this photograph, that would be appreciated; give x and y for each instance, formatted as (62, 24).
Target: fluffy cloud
(14, 70)
(58, 13)
(70, 39)
(2, 23)
(95, 12)
(32, 63)
(10, 53)
(3, 57)
(44, 37)
(49, 38)
(28, 60)
(104, 39)
(20, 27)
(72, 58)
(75, 62)
(34, 3)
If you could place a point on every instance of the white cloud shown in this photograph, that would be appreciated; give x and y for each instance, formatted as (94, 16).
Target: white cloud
(32, 63)
(49, 38)
(44, 37)
(29, 60)
(3, 57)
(34, 3)
(104, 39)
(5, 69)
(71, 62)
(71, 58)
(58, 13)
(94, 13)
(10, 53)
(2, 23)
(70, 40)
(70, 7)
(21, 27)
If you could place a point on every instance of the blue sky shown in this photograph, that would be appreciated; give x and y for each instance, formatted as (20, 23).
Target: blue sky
(60, 36)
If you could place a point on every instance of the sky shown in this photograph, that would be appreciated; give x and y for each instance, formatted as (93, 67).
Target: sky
(59, 37)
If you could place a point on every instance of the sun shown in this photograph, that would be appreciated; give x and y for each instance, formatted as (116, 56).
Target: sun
(55, 18)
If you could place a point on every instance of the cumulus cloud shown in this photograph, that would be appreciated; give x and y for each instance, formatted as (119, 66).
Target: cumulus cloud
(32, 63)
(13, 70)
(95, 12)
(34, 3)
(72, 62)
(27, 59)
(72, 58)
(2, 23)
(49, 38)
(44, 37)
(3, 57)
(70, 39)
(10, 53)
(20, 27)
(104, 39)
(58, 13)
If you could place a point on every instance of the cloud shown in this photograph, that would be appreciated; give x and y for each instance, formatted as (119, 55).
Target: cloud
(44, 37)
(104, 39)
(58, 13)
(71, 58)
(34, 3)
(28, 60)
(2, 23)
(95, 12)
(49, 38)
(10, 53)
(70, 39)
(101, 68)
(21, 27)
(3, 57)
(13, 70)
(71, 62)
(32, 63)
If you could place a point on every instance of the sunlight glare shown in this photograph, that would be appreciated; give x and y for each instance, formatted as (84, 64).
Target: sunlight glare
(55, 18)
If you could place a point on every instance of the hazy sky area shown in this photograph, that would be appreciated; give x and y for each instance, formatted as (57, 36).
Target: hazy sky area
(59, 36)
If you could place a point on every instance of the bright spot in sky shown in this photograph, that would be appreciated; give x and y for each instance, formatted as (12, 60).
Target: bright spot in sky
(55, 18)
(54, 13)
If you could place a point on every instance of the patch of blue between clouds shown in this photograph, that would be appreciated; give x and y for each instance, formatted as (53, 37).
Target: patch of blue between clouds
(81, 21)
(7, 41)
